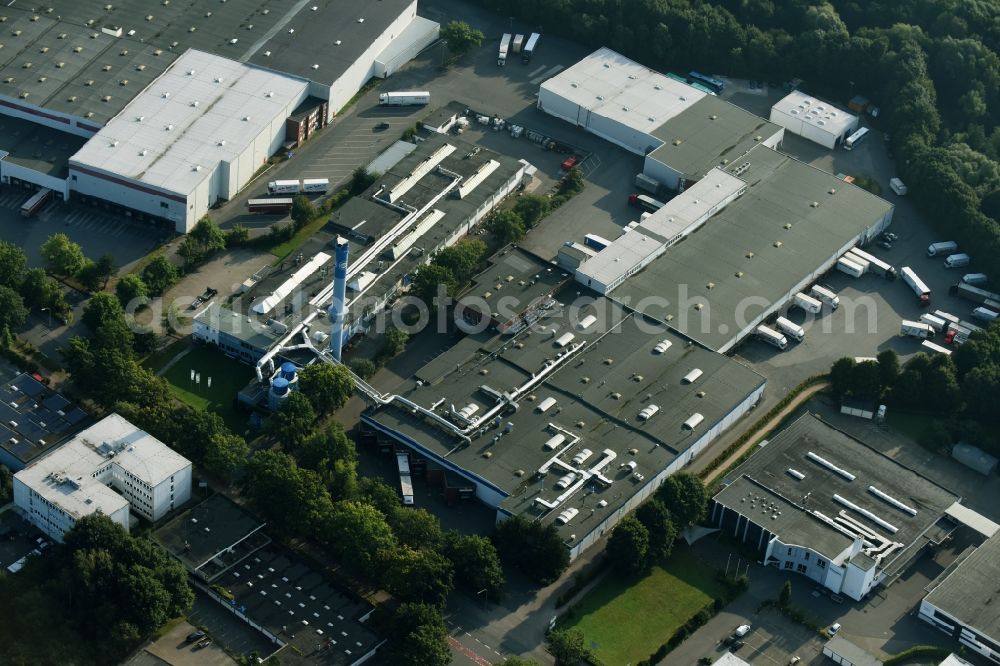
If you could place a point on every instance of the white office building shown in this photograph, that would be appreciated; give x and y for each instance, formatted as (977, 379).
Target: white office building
(813, 119)
(111, 467)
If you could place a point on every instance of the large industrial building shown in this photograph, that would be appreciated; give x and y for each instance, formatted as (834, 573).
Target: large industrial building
(34, 421)
(813, 119)
(572, 413)
(112, 467)
(820, 503)
(115, 75)
(757, 225)
(426, 200)
(683, 132)
(961, 605)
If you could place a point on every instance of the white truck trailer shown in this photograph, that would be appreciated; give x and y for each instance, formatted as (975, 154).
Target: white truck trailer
(772, 336)
(935, 348)
(935, 322)
(808, 303)
(875, 264)
(504, 48)
(916, 329)
(845, 265)
(922, 291)
(790, 328)
(307, 186)
(409, 98)
(825, 295)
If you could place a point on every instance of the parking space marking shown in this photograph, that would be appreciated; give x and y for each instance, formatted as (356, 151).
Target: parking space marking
(537, 71)
(552, 71)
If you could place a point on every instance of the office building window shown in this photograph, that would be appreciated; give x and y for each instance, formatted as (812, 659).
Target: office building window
(821, 564)
(801, 568)
(789, 552)
(788, 565)
(806, 557)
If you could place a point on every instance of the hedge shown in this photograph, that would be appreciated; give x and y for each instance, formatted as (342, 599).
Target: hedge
(917, 651)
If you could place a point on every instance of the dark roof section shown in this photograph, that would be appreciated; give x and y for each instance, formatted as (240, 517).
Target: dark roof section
(212, 536)
(38, 147)
(971, 593)
(34, 420)
(767, 485)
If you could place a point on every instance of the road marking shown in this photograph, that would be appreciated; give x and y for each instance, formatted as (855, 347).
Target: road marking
(479, 661)
(537, 71)
(552, 71)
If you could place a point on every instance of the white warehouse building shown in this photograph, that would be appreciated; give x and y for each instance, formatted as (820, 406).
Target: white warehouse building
(112, 467)
(813, 119)
(196, 135)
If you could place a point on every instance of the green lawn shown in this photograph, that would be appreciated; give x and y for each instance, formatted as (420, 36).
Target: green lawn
(629, 619)
(227, 376)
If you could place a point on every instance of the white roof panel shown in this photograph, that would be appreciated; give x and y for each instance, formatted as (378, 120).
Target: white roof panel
(611, 85)
(816, 112)
(203, 110)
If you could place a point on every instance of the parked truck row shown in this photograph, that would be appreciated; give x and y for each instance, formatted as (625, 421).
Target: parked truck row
(305, 186)
(517, 44)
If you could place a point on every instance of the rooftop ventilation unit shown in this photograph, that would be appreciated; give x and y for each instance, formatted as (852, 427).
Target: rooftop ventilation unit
(648, 412)
(866, 513)
(564, 339)
(582, 457)
(693, 421)
(892, 500)
(564, 481)
(820, 460)
(587, 322)
(662, 346)
(692, 377)
(545, 405)
(796, 473)
(554, 441)
(567, 515)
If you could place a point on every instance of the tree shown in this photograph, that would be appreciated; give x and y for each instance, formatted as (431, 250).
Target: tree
(363, 368)
(105, 268)
(518, 661)
(237, 235)
(655, 515)
(536, 549)
(685, 496)
(476, 562)
(159, 275)
(841, 375)
(361, 180)
(628, 547)
(395, 342)
(431, 282)
(88, 276)
(62, 256)
(327, 386)
(360, 538)
(13, 314)
(208, 235)
(531, 208)
(567, 646)
(293, 420)
(417, 636)
(379, 494)
(101, 310)
(303, 211)
(572, 182)
(462, 259)
(13, 263)
(888, 368)
(785, 597)
(416, 527)
(332, 455)
(507, 226)
(225, 453)
(131, 288)
(419, 575)
(461, 37)
(292, 498)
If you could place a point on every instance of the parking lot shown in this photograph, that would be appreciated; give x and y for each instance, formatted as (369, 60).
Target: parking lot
(226, 628)
(96, 230)
(774, 640)
(17, 538)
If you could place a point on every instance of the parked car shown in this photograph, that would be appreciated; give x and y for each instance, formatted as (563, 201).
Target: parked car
(889, 236)
(794, 660)
(382, 126)
(203, 643)
(742, 630)
(885, 245)
(570, 162)
(737, 644)
(194, 636)
(834, 628)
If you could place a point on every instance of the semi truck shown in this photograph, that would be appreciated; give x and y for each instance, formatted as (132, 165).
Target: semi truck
(943, 247)
(772, 336)
(845, 265)
(410, 98)
(504, 47)
(825, 295)
(916, 329)
(975, 279)
(875, 264)
(646, 203)
(517, 43)
(977, 295)
(269, 206)
(306, 186)
(808, 303)
(856, 258)
(957, 260)
(529, 47)
(790, 328)
(922, 291)
(935, 322)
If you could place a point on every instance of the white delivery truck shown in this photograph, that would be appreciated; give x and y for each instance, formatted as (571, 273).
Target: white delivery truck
(856, 258)
(875, 264)
(315, 185)
(504, 47)
(808, 303)
(984, 314)
(957, 260)
(942, 247)
(772, 336)
(922, 291)
(975, 279)
(517, 43)
(825, 295)
(412, 98)
(284, 187)
(935, 322)
(916, 329)
(897, 186)
(845, 265)
(790, 328)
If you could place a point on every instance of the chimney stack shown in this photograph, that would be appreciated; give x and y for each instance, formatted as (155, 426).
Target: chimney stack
(338, 308)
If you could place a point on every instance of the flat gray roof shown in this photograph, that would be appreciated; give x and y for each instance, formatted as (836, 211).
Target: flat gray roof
(75, 65)
(253, 332)
(711, 132)
(733, 258)
(38, 147)
(968, 593)
(593, 399)
(785, 504)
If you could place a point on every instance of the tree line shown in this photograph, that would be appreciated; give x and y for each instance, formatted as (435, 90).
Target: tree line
(932, 66)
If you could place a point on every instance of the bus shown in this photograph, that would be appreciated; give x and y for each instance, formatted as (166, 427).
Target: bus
(710, 81)
(273, 206)
(35, 203)
(856, 138)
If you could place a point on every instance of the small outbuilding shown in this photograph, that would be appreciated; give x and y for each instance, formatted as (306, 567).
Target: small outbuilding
(974, 458)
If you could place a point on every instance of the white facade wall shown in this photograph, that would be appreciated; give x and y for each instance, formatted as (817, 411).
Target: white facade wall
(49, 518)
(828, 137)
(345, 87)
(420, 34)
(661, 172)
(10, 170)
(632, 140)
(18, 108)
